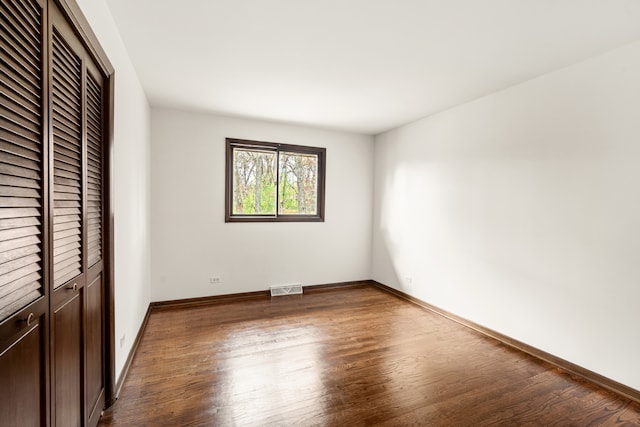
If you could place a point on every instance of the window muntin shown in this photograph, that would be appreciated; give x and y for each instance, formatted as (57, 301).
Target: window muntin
(274, 182)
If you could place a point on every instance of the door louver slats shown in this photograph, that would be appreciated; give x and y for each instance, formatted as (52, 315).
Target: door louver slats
(20, 156)
(67, 163)
(94, 170)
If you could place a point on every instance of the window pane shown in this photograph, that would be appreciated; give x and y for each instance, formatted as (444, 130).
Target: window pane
(254, 182)
(298, 184)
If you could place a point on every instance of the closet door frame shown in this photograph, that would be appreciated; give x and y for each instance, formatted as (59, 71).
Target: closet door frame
(83, 31)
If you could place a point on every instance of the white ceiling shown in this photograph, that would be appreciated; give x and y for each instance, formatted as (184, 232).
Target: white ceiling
(358, 65)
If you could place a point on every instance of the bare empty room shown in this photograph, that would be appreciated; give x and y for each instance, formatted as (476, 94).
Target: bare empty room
(305, 213)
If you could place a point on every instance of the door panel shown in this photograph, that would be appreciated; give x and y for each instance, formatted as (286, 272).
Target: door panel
(66, 177)
(24, 305)
(67, 375)
(94, 293)
(22, 371)
(94, 349)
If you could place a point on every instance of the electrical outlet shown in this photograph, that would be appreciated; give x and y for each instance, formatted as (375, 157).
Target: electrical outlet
(214, 280)
(122, 338)
(409, 280)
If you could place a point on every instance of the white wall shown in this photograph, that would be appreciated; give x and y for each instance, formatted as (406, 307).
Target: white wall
(521, 212)
(191, 241)
(131, 158)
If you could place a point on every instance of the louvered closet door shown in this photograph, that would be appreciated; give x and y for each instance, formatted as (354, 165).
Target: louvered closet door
(52, 221)
(77, 194)
(94, 292)
(23, 290)
(67, 239)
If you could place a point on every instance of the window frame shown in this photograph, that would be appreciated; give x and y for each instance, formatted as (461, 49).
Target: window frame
(233, 143)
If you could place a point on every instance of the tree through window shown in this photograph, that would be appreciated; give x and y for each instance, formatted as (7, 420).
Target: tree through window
(274, 182)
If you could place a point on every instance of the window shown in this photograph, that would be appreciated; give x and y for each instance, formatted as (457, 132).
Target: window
(267, 181)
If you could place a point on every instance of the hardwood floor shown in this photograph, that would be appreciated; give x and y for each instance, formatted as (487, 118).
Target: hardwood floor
(344, 357)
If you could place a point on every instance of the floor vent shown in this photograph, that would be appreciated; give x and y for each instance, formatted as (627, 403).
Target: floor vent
(281, 290)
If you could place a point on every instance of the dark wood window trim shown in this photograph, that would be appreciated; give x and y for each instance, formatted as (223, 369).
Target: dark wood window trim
(233, 143)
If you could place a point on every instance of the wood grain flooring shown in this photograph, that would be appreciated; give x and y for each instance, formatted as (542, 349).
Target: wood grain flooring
(351, 356)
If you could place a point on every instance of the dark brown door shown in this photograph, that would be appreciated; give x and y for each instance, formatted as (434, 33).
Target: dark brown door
(24, 301)
(94, 304)
(66, 192)
(52, 229)
(77, 303)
